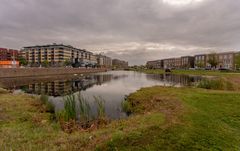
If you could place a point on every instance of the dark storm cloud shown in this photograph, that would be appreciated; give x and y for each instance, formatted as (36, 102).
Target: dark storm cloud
(135, 30)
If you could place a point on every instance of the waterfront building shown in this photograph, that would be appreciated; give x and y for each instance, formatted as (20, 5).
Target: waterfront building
(55, 55)
(9, 54)
(187, 62)
(104, 61)
(226, 60)
(200, 61)
(116, 63)
(156, 64)
(169, 63)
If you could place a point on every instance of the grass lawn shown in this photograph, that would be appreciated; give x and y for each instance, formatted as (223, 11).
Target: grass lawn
(163, 119)
(201, 120)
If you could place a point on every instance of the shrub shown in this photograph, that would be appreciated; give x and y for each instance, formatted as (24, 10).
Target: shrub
(215, 84)
(43, 98)
(50, 107)
(126, 107)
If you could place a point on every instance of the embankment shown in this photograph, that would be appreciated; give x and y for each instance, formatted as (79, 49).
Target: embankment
(34, 72)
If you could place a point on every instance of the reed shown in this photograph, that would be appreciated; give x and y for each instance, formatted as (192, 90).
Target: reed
(215, 84)
(100, 107)
(84, 109)
(70, 108)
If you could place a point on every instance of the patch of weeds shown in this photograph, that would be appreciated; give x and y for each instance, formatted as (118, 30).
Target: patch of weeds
(215, 84)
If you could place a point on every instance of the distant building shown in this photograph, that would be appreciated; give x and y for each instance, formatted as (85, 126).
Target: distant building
(169, 63)
(116, 63)
(187, 62)
(104, 61)
(157, 64)
(56, 55)
(8, 54)
(226, 60)
(200, 61)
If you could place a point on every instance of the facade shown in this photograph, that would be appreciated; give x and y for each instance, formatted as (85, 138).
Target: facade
(177, 63)
(187, 62)
(226, 60)
(157, 64)
(119, 63)
(104, 61)
(169, 63)
(200, 61)
(8, 54)
(55, 55)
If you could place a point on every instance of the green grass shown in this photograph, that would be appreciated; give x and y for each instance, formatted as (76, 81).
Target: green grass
(162, 119)
(190, 72)
(216, 84)
(210, 121)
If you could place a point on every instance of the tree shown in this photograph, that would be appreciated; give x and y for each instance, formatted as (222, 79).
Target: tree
(212, 60)
(237, 61)
(67, 62)
(22, 61)
(200, 64)
(45, 63)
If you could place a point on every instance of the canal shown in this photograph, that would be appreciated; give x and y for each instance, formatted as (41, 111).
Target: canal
(112, 86)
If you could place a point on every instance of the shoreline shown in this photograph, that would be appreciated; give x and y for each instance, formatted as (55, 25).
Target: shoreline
(39, 72)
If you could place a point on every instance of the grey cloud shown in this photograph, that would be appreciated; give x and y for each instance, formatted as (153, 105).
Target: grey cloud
(115, 26)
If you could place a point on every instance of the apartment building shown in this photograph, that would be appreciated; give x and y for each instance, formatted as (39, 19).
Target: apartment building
(169, 63)
(187, 62)
(119, 63)
(104, 61)
(226, 60)
(9, 54)
(55, 55)
(156, 64)
(200, 61)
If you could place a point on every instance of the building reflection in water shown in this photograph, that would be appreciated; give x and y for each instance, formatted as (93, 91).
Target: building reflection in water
(65, 87)
(175, 80)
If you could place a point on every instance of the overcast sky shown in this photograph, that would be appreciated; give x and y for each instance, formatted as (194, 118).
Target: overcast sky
(133, 30)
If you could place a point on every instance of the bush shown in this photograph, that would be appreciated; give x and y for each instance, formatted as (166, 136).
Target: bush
(126, 107)
(215, 84)
(43, 98)
(50, 107)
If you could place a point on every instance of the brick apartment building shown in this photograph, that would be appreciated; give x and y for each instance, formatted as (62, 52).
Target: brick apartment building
(157, 64)
(8, 54)
(224, 60)
(9, 58)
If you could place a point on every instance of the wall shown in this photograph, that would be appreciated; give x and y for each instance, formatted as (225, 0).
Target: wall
(28, 72)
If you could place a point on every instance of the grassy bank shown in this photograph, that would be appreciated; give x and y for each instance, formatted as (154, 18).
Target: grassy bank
(191, 72)
(229, 77)
(195, 119)
(163, 119)
(24, 125)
